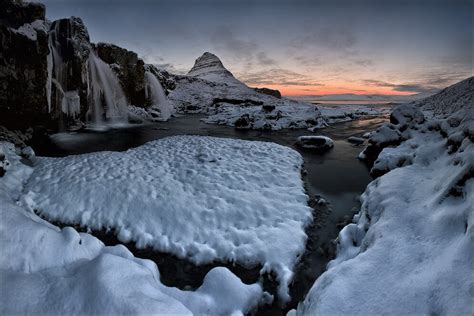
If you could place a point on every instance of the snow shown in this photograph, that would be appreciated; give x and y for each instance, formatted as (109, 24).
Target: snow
(454, 98)
(336, 113)
(283, 116)
(48, 270)
(409, 250)
(29, 29)
(202, 198)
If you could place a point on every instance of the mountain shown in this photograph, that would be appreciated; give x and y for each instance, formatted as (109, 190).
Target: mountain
(364, 97)
(457, 97)
(209, 67)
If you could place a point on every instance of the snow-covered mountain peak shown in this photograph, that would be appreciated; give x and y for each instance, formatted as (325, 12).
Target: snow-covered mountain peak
(209, 67)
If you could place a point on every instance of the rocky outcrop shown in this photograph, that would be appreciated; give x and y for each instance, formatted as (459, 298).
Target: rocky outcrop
(130, 70)
(70, 49)
(23, 64)
(167, 80)
(267, 91)
(209, 67)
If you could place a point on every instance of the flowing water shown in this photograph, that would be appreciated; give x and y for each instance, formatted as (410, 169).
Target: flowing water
(337, 175)
(157, 96)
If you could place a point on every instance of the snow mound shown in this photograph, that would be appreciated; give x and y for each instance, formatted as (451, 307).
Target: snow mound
(320, 143)
(47, 270)
(202, 198)
(409, 250)
(459, 96)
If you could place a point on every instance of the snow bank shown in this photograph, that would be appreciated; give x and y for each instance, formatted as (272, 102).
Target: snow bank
(409, 250)
(202, 198)
(47, 270)
(260, 117)
(336, 113)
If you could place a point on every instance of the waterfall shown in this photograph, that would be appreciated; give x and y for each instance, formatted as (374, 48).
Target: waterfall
(107, 102)
(49, 60)
(158, 96)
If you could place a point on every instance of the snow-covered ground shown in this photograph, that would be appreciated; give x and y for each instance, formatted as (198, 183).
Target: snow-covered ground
(410, 249)
(48, 270)
(347, 112)
(202, 198)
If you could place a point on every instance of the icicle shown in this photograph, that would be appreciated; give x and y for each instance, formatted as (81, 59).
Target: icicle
(158, 96)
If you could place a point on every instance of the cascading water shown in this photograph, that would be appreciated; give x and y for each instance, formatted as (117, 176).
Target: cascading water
(107, 102)
(158, 96)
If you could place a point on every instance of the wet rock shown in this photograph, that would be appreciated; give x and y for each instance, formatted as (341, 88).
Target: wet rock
(129, 69)
(356, 140)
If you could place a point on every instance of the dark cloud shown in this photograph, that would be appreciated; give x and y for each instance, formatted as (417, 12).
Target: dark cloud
(416, 88)
(264, 60)
(227, 40)
(336, 37)
(277, 76)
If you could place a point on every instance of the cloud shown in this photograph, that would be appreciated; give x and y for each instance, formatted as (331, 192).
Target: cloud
(277, 76)
(264, 60)
(417, 88)
(337, 37)
(171, 68)
(225, 39)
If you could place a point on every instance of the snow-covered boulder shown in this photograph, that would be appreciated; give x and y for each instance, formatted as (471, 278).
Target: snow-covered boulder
(315, 143)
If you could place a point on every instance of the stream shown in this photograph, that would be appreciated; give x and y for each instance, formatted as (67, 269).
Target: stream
(337, 176)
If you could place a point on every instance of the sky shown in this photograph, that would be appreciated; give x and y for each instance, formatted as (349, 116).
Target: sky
(395, 47)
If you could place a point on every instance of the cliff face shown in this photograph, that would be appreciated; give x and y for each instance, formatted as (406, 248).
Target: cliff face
(51, 74)
(23, 63)
(130, 71)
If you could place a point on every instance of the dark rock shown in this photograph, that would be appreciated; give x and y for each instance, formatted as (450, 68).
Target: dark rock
(129, 69)
(70, 40)
(268, 107)
(267, 91)
(356, 140)
(243, 122)
(23, 64)
(247, 102)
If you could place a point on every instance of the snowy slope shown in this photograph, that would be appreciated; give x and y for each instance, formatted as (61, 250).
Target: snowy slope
(197, 197)
(209, 67)
(451, 99)
(409, 250)
(47, 270)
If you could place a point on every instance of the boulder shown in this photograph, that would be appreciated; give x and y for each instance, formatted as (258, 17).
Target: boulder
(356, 140)
(243, 122)
(315, 143)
